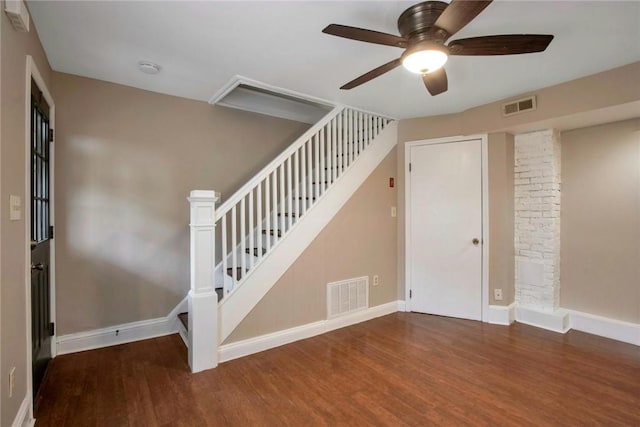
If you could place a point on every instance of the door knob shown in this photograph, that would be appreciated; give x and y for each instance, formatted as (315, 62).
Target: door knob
(475, 241)
(38, 266)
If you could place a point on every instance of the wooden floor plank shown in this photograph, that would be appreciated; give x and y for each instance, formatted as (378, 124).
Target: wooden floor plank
(402, 369)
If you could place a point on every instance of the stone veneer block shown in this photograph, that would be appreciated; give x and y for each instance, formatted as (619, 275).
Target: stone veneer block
(537, 219)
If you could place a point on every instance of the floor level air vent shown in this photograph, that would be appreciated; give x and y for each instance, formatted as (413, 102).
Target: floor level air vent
(347, 296)
(519, 106)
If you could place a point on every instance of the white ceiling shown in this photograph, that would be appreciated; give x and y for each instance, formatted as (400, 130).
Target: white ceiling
(202, 45)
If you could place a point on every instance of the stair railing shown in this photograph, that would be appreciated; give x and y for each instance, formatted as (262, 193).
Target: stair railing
(251, 223)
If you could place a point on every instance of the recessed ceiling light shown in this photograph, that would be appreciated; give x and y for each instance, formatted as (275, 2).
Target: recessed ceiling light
(148, 67)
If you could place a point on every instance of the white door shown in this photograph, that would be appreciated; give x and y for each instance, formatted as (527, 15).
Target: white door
(445, 226)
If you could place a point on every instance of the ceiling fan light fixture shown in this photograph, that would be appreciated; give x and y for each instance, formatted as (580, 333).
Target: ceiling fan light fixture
(426, 59)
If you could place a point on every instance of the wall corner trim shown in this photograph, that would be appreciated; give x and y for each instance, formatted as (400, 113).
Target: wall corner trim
(260, 343)
(23, 417)
(127, 332)
(502, 314)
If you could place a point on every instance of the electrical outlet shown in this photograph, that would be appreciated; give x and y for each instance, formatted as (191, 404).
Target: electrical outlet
(376, 280)
(394, 212)
(497, 294)
(12, 381)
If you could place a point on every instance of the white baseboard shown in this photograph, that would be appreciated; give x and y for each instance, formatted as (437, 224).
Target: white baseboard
(265, 342)
(556, 321)
(502, 314)
(121, 334)
(561, 321)
(23, 417)
(605, 327)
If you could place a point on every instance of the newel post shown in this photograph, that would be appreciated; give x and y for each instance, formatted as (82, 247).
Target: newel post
(203, 300)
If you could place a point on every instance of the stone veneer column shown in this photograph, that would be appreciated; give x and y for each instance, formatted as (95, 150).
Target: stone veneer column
(537, 220)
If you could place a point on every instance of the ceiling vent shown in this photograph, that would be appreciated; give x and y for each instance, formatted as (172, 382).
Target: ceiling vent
(519, 106)
(250, 95)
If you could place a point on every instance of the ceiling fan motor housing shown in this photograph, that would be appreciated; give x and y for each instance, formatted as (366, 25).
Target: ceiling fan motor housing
(415, 22)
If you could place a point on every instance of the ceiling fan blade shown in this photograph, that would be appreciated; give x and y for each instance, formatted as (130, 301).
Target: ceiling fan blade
(459, 13)
(363, 35)
(372, 74)
(507, 44)
(436, 82)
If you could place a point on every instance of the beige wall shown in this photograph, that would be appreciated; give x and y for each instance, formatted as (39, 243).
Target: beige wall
(359, 241)
(501, 217)
(593, 99)
(13, 346)
(600, 220)
(1, 220)
(126, 161)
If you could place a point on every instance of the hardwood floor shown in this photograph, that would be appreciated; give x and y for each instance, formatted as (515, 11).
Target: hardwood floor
(401, 369)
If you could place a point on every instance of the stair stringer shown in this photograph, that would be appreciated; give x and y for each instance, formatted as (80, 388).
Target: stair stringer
(237, 305)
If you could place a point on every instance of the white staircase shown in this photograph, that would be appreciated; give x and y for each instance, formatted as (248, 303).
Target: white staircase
(263, 228)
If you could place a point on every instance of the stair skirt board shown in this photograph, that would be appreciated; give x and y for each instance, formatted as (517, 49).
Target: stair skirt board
(121, 334)
(241, 300)
(235, 350)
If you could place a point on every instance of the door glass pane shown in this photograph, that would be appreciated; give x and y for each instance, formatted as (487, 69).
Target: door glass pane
(40, 188)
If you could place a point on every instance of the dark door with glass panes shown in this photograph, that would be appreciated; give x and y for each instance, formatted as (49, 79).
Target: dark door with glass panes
(41, 235)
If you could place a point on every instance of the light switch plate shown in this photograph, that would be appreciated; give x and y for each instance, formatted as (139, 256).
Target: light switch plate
(394, 212)
(15, 208)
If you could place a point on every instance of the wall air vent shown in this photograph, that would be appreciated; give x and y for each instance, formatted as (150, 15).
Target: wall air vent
(18, 14)
(347, 296)
(519, 106)
(250, 95)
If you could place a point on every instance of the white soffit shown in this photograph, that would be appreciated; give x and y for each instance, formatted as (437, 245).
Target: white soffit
(249, 95)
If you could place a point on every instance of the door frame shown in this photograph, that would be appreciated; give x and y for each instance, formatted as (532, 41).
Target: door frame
(485, 214)
(32, 72)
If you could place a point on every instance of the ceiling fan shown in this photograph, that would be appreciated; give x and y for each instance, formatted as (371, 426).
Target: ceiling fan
(424, 29)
